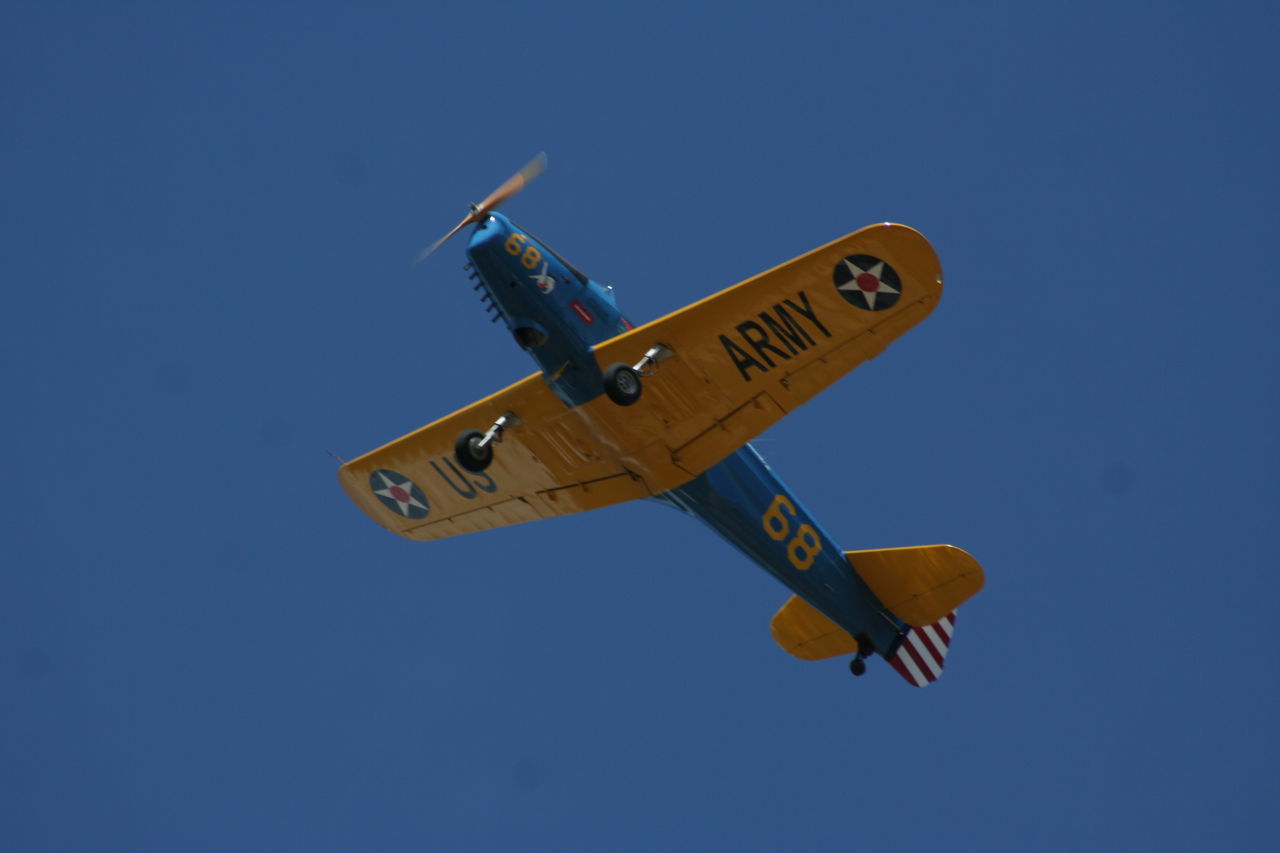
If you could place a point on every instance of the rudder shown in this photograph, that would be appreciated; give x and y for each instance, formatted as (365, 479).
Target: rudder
(920, 655)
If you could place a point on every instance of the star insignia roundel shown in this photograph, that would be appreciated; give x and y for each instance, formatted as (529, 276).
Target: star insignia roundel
(398, 493)
(867, 283)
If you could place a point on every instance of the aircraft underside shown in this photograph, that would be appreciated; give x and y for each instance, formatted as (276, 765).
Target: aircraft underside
(743, 500)
(583, 433)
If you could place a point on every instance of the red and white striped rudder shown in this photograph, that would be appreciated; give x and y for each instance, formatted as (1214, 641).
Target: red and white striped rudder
(919, 658)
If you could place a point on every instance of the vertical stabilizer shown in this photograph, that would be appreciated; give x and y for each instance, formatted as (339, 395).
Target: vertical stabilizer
(919, 657)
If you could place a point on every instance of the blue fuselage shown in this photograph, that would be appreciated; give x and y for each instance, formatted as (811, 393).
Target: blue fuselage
(556, 313)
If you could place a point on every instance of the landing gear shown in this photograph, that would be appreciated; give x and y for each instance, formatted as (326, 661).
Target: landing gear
(866, 648)
(474, 449)
(622, 384)
(622, 381)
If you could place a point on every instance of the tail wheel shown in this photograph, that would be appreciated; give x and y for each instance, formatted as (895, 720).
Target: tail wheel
(858, 666)
(622, 384)
(470, 453)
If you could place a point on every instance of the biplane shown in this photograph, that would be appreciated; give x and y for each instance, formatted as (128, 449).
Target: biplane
(664, 411)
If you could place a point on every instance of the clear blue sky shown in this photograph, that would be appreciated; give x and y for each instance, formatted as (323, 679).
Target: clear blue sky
(208, 213)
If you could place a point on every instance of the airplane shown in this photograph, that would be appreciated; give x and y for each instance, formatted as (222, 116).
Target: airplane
(665, 411)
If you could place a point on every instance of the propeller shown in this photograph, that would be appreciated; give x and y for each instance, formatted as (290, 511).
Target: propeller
(510, 187)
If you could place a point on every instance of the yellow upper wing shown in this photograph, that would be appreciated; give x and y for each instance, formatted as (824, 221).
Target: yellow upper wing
(742, 359)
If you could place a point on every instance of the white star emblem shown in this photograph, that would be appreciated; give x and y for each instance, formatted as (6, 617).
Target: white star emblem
(402, 497)
(546, 283)
(867, 282)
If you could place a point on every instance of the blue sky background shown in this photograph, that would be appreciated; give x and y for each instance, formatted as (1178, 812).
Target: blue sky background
(207, 220)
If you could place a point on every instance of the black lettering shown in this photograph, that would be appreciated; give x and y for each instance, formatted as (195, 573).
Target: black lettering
(787, 329)
(468, 492)
(740, 358)
(487, 486)
(808, 311)
(760, 342)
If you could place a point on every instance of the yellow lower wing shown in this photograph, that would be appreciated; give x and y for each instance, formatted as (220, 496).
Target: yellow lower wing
(742, 359)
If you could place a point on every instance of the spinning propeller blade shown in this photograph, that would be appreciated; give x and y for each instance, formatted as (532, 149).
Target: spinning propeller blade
(510, 187)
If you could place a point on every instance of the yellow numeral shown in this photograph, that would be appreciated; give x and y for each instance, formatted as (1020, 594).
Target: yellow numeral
(805, 546)
(775, 523)
(529, 255)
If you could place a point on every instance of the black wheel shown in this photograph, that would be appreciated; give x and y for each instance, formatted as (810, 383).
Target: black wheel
(858, 666)
(470, 454)
(622, 384)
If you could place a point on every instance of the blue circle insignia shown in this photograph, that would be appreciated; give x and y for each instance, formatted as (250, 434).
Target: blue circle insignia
(398, 493)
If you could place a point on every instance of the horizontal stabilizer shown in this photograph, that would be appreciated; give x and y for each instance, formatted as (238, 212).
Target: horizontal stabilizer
(803, 631)
(919, 658)
(923, 584)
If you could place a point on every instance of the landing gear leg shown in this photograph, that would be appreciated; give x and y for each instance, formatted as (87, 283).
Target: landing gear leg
(648, 363)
